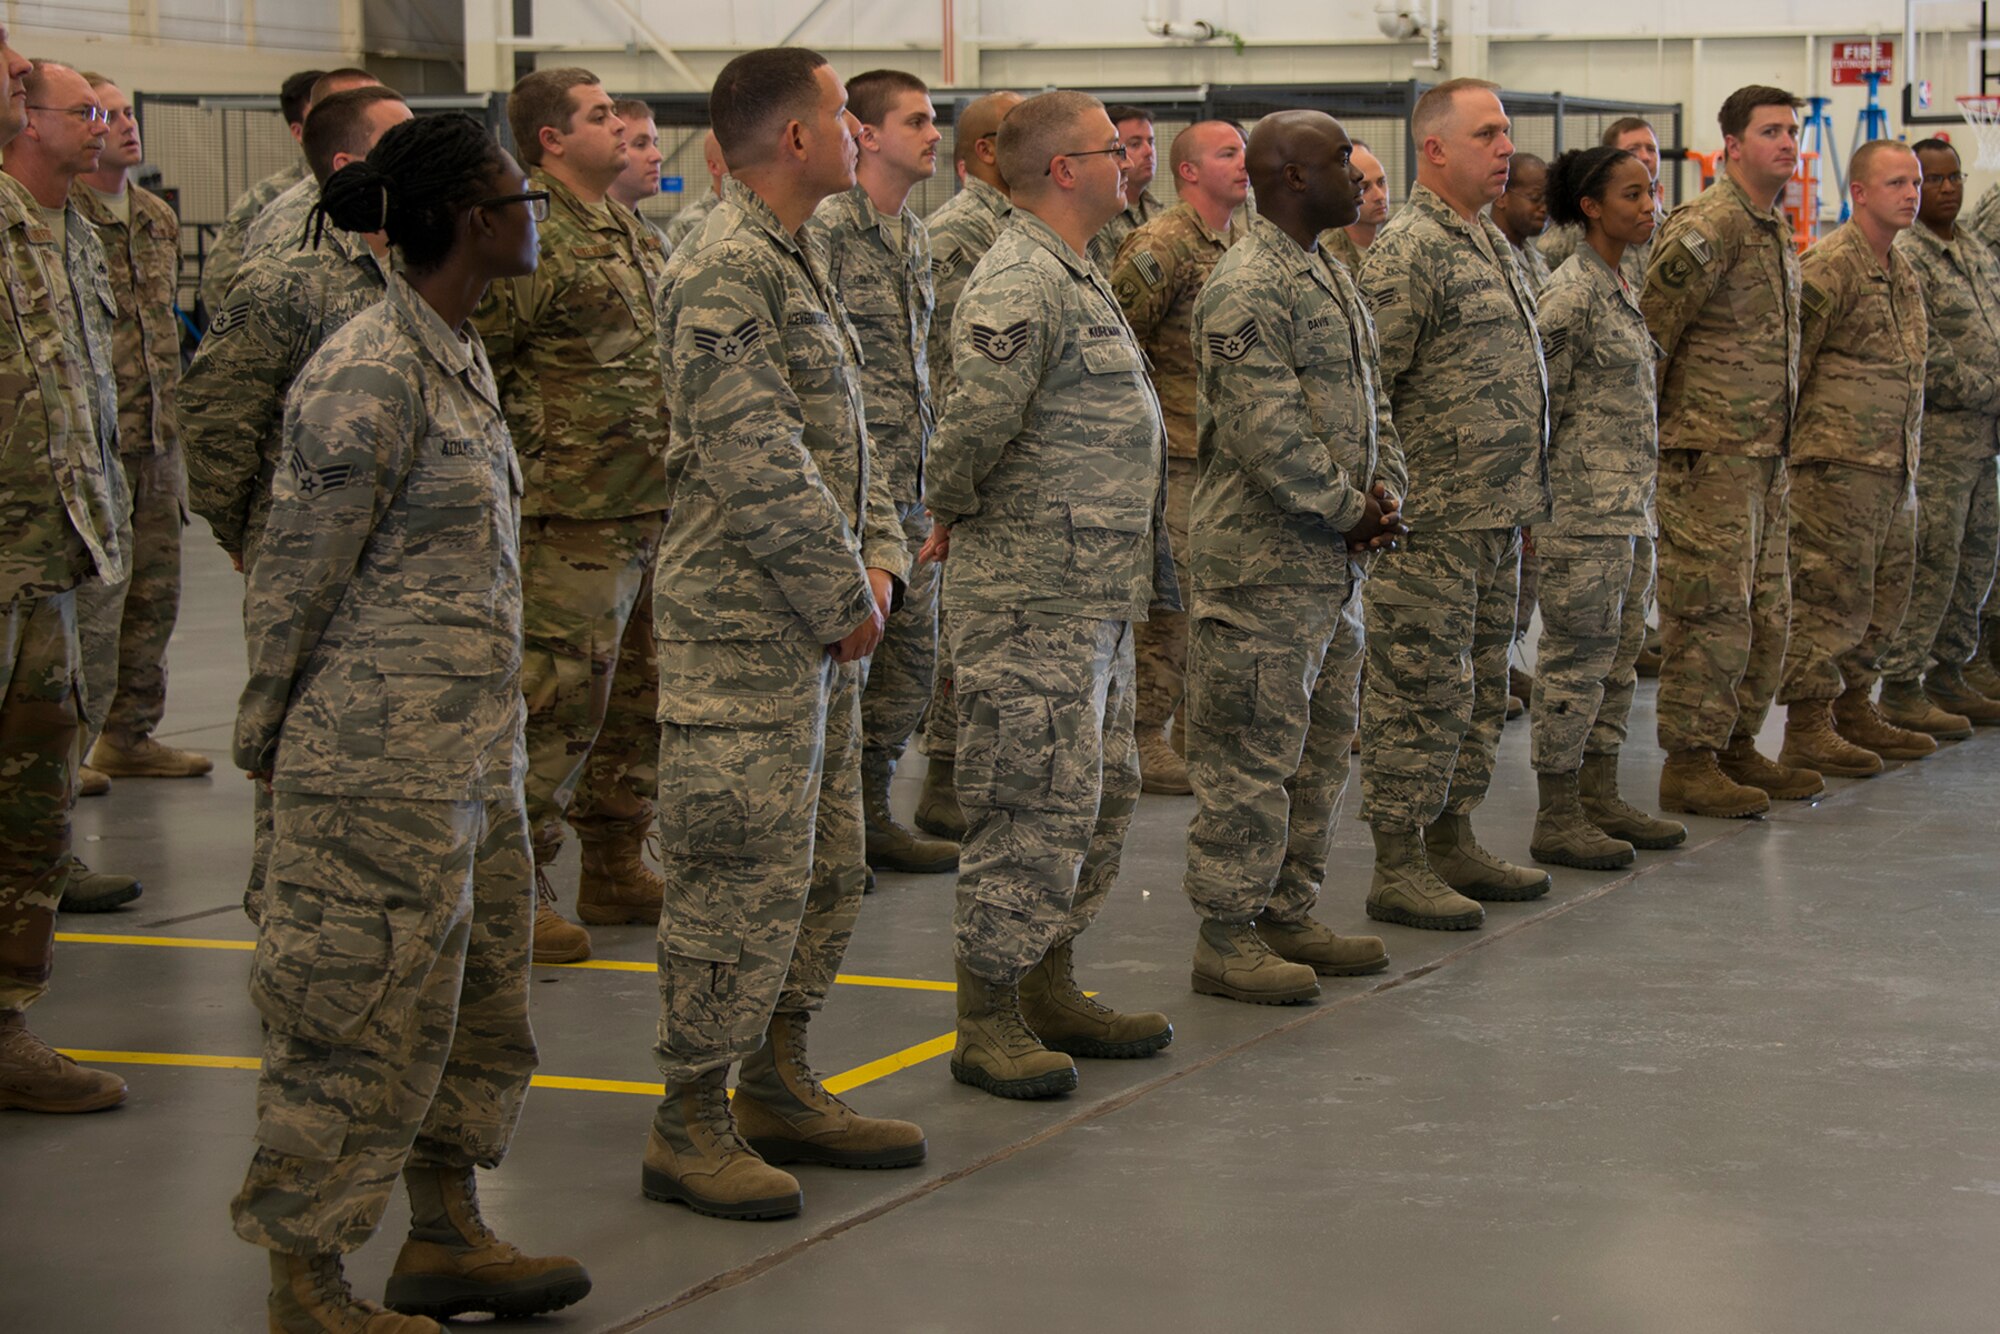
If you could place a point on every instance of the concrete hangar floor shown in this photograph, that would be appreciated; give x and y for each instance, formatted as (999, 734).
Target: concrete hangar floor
(1749, 1085)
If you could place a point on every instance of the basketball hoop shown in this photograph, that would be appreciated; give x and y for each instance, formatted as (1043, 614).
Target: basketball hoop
(1982, 113)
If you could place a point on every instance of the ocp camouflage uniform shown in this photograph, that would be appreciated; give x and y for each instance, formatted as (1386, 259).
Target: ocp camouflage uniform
(1958, 528)
(224, 256)
(1596, 549)
(881, 271)
(1159, 272)
(578, 350)
(685, 225)
(59, 530)
(777, 516)
(284, 223)
(962, 230)
(1336, 244)
(142, 247)
(280, 310)
(1722, 301)
(384, 699)
(1110, 239)
(1294, 429)
(1049, 468)
(1854, 456)
(1463, 365)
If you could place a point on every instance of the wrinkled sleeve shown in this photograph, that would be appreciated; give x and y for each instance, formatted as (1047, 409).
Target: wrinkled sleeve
(1678, 285)
(1399, 297)
(1565, 327)
(746, 430)
(1000, 343)
(1392, 470)
(1824, 298)
(1953, 382)
(350, 432)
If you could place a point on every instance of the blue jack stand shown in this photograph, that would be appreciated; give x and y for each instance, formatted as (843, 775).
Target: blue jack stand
(1816, 136)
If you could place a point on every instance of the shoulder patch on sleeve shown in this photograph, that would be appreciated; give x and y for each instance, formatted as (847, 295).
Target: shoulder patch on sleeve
(1386, 295)
(1697, 245)
(948, 262)
(1677, 267)
(312, 481)
(1236, 345)
(231, 317)
(1553, 342)
(1815, 297)
(732, 346)
(1000, 346)
(1148, 269)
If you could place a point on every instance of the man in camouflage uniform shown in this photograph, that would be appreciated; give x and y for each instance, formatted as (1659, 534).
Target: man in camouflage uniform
(62, 141)
(1862, 345)
(61, 509)
(783, 555)
(962, 230)
(383, 707)
(578, 350)
(1135, 131)
(1346, 244)
(640, 180)
(1722, 300)
(1047, 480)
(1159, 272)
(1958, 529)
(1522, 213)
(1985, 226)
(688, 221)
(1298, 471)
(878, 258)
(285, 222)
(231, 404)
(1463, 365)
(141, 243)
(224, 255)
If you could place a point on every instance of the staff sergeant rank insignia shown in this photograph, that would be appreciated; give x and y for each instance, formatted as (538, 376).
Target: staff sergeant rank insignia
(1000, 346)
(1235, 346)
(731, 347)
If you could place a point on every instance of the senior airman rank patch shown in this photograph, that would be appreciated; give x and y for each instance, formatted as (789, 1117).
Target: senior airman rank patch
(312, 481)
(730, 347)
(1237, 345)
(1000, 346)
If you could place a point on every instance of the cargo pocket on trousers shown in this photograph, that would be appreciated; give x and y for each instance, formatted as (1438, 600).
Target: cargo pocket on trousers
(1010, 757)
(712, 744)
(698, 971)
(334, 967)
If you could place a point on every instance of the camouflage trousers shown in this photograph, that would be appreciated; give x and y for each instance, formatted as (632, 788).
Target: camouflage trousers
(125, 628)
(392, 974)
(1272, 704)
(1725, 595)
(761, 833)
(1440, 619)
(1160, 644)
(898, 680)
(39, 731)
(587, 672)
(1853, 545)
(1047, 775)
(1958, 537)
(1594, 592)
(1531, 582)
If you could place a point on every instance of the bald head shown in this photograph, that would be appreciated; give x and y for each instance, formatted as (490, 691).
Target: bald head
(1302, 171)
(1196, 141)
(1283, 139)
(981, 120)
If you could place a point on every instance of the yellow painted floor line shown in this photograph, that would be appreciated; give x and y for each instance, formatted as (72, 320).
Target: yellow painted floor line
(840, 1083)
(603, 965)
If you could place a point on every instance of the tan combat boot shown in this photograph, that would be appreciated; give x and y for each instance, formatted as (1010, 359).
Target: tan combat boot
(34, 1077)
(1597, 789)
(616, 887)
(1314, 944)
(1160, 770)
(1812, 743)
(452, 1262)
(1407, 892)
(97, 891)
(556, 940)
(1068, 1021)
(1231, 960)
(1456, 857)
(1905, 705)
(1947, 688)
(938, 811)
(788, 1117)
(891, 845)
(1857, 719)
(143, 757)
(1982, 675)
(91, 782)
(309, 1295)
(996, 1051)
(1565, 836)
(1691, 781)
(1780, 782)
(695, 1156)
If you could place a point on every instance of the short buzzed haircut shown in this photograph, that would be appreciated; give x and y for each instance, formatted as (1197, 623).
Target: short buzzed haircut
(339, 124)
(1181, 151)
(1734, 118)
(1934, 146)
(1434, 108)
(295, 95)
(965, 128)
(1621, 127)
(540, 100)
(870, 95)
(333, 80)
(758, 91)
(633, 109)
(1861, 166)
(1041, 128)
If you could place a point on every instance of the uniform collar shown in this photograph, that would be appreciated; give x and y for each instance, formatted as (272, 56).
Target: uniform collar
(869, 218)
(443, 346)
(598, 217)
(988, 198)
(1430, 201)
(1209, 233)
(759, 214)
(1295, 257)
(1142, 208)
(16, 204)
(1045, 236)
(1849, 245)
(1770, 217)
(85, 201)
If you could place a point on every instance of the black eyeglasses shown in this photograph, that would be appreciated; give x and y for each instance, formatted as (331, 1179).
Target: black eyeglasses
(1948, 178)
(91, 115)
(1118, 151)
(536, 200)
